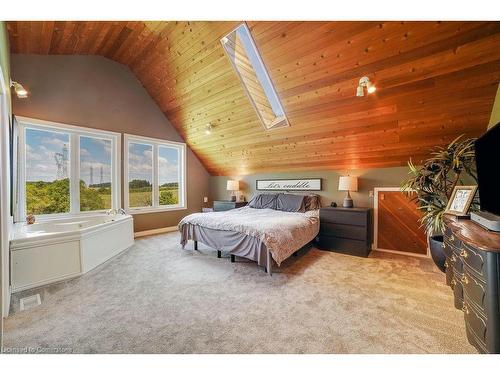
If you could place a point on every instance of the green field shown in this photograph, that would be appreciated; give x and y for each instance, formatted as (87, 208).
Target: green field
(54, 197)
(142, 198)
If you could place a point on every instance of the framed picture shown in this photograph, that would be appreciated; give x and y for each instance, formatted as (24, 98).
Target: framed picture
(302, 184)
(460, 200)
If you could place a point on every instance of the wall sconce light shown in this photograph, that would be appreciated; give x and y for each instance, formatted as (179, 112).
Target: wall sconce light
(20, 91)
(208, 129)
(365, 82)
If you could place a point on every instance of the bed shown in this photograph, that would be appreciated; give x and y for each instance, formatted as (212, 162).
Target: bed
(270, 228)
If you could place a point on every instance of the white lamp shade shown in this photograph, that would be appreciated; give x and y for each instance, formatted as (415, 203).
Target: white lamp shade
(233, 185)
(348, 183)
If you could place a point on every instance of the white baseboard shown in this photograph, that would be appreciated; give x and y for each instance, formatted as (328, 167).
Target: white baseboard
(155, 231)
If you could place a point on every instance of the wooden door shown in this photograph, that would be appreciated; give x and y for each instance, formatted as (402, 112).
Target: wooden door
(398, 226)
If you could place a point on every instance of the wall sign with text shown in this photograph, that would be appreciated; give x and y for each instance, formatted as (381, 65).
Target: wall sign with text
(303, 184)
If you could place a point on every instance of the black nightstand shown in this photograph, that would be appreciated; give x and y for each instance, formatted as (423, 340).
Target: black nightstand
(345, 230)
(227, 205)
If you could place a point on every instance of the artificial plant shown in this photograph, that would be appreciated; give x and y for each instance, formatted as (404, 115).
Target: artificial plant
(432, 184)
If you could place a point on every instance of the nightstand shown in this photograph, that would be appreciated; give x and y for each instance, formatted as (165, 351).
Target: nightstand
(345, 230)
(228, 205)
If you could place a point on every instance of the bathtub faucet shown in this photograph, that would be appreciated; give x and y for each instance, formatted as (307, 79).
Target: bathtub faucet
(115, 211)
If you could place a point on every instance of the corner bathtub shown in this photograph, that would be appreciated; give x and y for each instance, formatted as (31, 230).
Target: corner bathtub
(51, 251)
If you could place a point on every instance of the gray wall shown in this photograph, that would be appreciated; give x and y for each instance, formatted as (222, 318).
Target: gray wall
(368, 179)
(96, 92)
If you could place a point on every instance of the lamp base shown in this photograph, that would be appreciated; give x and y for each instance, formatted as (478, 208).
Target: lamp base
(348, 203)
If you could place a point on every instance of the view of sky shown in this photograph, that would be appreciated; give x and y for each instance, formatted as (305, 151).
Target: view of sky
(41, 146)
(168, 159)
(95, 153)
(140, 162)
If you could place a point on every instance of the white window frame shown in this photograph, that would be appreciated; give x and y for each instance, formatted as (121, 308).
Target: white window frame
(75, 132)
(155, 143)
(266, 77)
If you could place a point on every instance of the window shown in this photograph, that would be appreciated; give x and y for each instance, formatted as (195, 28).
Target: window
(154, 174)
(65, 169)
(47, 172)
(247, 62)
(95, 174)
(140, 175)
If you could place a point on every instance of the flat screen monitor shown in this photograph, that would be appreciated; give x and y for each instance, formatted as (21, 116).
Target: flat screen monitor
(488, 170)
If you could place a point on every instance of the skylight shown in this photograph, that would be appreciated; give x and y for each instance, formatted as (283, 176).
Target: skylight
(246, 61)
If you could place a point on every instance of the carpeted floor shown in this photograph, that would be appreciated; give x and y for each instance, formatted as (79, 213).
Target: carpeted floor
(156, 298)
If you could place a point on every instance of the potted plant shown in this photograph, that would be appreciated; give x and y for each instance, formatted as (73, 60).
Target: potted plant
(431, 185)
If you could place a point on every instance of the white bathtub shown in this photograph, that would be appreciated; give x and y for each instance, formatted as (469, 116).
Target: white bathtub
(51, 251)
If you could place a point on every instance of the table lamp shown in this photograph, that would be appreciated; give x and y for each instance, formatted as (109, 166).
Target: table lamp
(233, 186)
(348, 183)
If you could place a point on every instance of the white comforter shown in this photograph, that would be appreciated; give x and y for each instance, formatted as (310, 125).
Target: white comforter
(282, 232)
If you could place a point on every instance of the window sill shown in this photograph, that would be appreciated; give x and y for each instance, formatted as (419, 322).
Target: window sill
(150, 210)
(42, 218)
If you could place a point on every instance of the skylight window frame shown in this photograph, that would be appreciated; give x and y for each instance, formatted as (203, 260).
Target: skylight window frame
(266, 75)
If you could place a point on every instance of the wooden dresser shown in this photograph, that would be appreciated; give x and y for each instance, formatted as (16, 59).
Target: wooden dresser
(473, 272)
(345, 230)
(227, 205)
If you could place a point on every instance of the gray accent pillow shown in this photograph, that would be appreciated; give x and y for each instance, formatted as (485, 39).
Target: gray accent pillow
(290, 203)
(263, 201)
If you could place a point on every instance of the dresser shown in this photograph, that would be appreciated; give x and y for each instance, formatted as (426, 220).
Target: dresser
(345, 230)
(227, 205)
(473, 273)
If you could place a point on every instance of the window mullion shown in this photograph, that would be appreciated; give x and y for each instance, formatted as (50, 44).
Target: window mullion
(22, 174)
(115, 181)
(156, 188)
(74, 175)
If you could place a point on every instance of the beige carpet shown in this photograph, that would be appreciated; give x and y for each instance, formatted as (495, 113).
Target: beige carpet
(156, 298)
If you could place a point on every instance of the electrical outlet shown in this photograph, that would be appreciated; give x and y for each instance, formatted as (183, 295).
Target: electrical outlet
(370, 194)
(205, 199)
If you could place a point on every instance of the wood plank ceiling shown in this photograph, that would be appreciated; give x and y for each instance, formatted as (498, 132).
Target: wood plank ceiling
(435, 81)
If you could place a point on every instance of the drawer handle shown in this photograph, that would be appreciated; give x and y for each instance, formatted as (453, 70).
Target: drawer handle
(464, 254)
(465, 309)
(464, 280)
(452, 238)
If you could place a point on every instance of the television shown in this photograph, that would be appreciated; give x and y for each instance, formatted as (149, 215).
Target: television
(487, 149)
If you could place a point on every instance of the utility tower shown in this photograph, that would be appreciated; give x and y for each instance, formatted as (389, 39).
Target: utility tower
(61, 159)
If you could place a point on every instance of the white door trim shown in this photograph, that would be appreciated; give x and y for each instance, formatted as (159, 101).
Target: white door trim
(5, 217)
(375, 226)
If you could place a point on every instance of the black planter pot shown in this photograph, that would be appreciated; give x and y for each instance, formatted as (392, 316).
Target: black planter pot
(437, 251)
